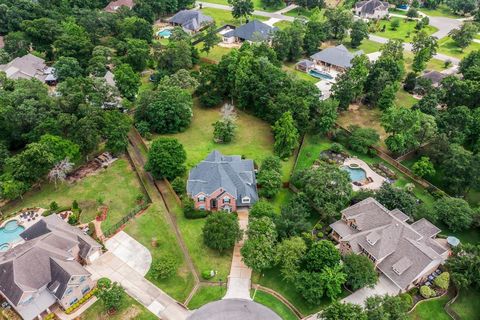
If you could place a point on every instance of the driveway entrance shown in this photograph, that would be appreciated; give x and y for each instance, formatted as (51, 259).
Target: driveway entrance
(384, 286)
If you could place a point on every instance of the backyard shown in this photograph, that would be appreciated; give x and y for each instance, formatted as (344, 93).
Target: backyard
(405, 31)
(367, 46)
(253, 138)
(363, 116)
(290, 68)
(150, 227)
(257, 5)
(449, 47)
(88, 191)
(215, 54)
(130, 309)
(432, 309)
(223, 17)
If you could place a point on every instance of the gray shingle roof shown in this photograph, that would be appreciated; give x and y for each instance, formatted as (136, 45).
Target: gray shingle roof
(369, 7)
(233, 309)
(338, 56)
(44, 259)
(191, 19)
(434, 76)
(26, 67)
(403, 251)
(254, 30)
(231, 173)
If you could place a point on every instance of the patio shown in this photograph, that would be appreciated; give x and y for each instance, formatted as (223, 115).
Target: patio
(373, 180)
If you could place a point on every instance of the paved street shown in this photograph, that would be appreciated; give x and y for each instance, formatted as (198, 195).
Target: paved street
(124, 265)
(239, 279)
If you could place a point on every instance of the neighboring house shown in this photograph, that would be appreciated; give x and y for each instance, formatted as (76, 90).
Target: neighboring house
(405, 253)
(113, 6)
(253, 31)
(337, 58)
(27, 67)
(46, 268)
(372, 9)
(434, 76)
(191, 21)
(222, 183)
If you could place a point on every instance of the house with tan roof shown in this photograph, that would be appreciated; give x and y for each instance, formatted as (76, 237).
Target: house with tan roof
(28, 67)
(47, 267)
(113, 6)
(405, 253)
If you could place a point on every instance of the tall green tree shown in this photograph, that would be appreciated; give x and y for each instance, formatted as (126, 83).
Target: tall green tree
(360, 271)
(73, 42)
(454, 212)
(358, 33)
(166, 158)
(339, 20)
(210, 38)
(343, 311)
(288, 255)
(241, 9)
(137, 54)
(286, 136)
(258, 251)
(464, 35)
(127, 81)
(221, 231)
(67, 67)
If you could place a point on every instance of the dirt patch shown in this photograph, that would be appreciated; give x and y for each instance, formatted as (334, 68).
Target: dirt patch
(130, 313)
(91, 167)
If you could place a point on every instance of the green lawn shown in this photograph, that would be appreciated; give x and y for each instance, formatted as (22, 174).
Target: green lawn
(257, 5)
(441, 11)
(130, 309)
(152, 225)
(282, 198)
(216, 53)
(222, 17)
(117, 185)
(449, 47)
(206, 294)
(273, 279)
(283, 24)
(433, 64)
(405, 31)
(302, 12)
(367, 46)
(466, 305)
(253, 138)
(404, 99)
(273, 303)
(397, 11)
(432, 309)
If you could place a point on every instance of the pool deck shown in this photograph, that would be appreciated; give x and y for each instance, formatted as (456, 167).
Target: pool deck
(378, 180)
(24, 222)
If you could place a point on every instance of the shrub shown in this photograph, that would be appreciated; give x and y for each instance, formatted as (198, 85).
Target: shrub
(165, 267)
(262, 208)
(207, 274)
(179, 185)
(407, 298)
(442, 281)
(189, 210)
(426, 292)
(75, 205)
(104, 283)
(73, 219)
(336, 147)
(91, 228)
(53, 206)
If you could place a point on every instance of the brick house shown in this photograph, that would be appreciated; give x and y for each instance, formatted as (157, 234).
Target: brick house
(222, 183)
(46, 267)
(405, 253)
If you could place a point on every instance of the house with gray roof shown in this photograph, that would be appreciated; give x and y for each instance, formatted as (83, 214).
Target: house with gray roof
(337, 58)
(372, 9)
(222, 183)
(46, 268)
(253, 31)
(405, 253)
(191, 21)
(435, 77)
(27, 67)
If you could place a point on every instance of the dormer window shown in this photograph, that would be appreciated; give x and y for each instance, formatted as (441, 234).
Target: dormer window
(201, 198)
(226, 200)
(69, 291)
(246, 200)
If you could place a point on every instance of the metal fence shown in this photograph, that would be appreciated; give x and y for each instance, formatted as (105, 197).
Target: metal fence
(125, 219)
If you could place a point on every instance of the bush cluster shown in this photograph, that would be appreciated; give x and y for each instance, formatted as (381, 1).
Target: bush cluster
(189, 209)
(84, 299)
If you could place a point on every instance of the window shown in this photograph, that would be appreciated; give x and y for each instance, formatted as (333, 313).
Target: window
(73, 301)
(201, 198)
(85, 290)
(82, 279)
(202, 208)
(245, 200)
(28, 299)
(69, 290)
(226, 200)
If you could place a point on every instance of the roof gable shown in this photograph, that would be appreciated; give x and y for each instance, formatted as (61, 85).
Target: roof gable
(338, 56)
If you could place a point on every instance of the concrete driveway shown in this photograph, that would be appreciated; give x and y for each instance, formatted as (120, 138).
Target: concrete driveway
(384, 286)
(124, 265)
(239, 279)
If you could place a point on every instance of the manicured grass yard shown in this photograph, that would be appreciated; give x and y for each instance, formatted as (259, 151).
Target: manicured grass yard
(282, 198)
(206, 294)
(449, 47)
(432, 309)
(273, 279)
(216, 53)
(302, 12)
(433, 64)
(404, 99)
(253, 139)
(441, 11)
(367, 46)
(282, 24)
(257, 5)
(466, 305)
(117, 185)
(222, 17)
(130, 309)
(406, 28)
(273, 303)
(290, 68)
(152, 225)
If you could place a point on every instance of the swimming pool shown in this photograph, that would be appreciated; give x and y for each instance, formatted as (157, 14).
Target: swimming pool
(165, 33)
(320, 75)
(9, 233)
(356, 174)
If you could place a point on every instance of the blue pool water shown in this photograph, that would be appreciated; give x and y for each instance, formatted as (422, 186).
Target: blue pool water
(356, 174)
(166, 33)
(320, 75)
(9, 233)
